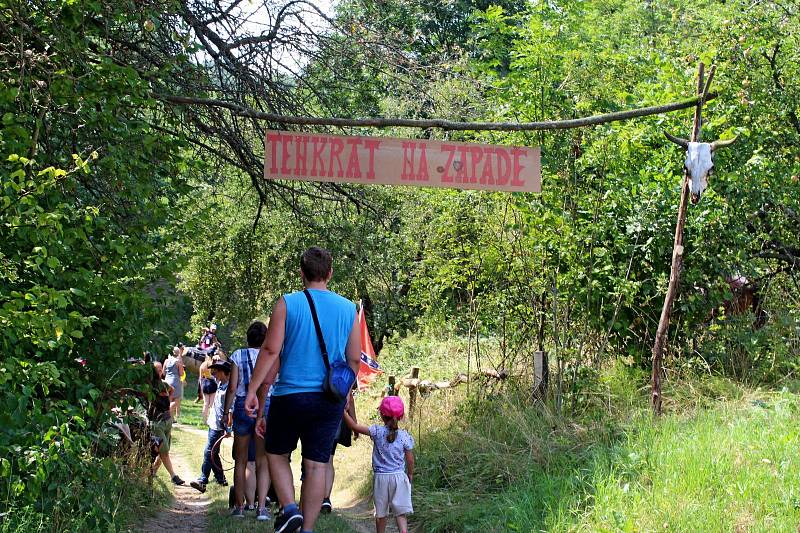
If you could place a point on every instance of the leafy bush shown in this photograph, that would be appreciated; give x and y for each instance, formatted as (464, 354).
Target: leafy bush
(85, 192)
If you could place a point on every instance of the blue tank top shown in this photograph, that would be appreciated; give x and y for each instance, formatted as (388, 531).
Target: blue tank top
(302, 369)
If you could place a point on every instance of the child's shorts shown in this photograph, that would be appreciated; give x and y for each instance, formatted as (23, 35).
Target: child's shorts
(392, 491)
(163, 430)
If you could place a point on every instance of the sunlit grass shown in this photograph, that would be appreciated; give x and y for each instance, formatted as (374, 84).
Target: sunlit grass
(191, 412)
(727, 464)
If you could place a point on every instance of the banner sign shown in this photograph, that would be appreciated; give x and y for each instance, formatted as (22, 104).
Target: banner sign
(391, 161)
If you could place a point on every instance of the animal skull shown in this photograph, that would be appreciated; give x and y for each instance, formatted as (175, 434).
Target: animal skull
(699, 165)
(699, 162)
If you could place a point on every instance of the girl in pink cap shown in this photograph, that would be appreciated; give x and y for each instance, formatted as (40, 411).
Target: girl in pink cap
(392, 463)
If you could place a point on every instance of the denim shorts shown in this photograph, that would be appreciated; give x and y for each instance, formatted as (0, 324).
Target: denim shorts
(306, 416)
(242, 423)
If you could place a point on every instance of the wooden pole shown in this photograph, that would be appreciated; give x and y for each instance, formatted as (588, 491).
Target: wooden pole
(451, 125)
(677, 252)
(412, 393)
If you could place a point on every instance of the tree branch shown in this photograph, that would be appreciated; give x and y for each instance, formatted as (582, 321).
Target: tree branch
(438, 123)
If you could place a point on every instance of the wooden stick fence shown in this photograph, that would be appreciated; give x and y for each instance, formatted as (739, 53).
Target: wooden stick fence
(415, 385)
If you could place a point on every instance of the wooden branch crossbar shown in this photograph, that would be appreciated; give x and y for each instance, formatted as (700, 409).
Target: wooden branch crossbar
(441, 123)
(425, 385)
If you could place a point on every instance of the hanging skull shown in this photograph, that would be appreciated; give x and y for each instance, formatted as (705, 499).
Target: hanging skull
(699, 162)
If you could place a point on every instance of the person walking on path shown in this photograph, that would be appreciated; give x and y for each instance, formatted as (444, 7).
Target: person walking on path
(217, 427)
(244, 361)
(208, 386)
(344, 437)
(158, 413)
(173, 370)
(299, 410)
(392, 464)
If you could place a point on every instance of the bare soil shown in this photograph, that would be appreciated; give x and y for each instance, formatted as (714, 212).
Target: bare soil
(188, 511)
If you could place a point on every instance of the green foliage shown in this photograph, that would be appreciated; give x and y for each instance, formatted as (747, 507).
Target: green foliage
(503, 465)
(244, 269)
(85, 193)
(100, 222)
(582, 268)
(439, 355)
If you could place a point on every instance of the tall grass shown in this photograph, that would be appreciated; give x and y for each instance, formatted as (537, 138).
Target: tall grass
(723, 460)
(118, 489)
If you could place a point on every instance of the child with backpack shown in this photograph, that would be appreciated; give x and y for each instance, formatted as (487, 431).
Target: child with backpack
(392, 463)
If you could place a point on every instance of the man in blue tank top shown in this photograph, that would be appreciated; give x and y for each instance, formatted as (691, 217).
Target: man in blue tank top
(299, 410)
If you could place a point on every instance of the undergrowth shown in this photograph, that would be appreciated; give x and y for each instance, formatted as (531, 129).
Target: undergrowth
(723, 458)
(109, 493)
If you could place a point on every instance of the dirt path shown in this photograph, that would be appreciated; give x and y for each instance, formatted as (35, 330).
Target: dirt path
(190, 508)
(352, 464)
(188, 511)
(191, 429)
(359, 516)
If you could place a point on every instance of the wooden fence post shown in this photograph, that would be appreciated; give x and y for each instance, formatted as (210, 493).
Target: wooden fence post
(677, 251)
(412, 393)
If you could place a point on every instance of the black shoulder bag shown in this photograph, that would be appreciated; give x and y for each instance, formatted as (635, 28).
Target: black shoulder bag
(339, 377)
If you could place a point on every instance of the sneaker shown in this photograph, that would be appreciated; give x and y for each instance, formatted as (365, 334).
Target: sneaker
(263, 515)
(199, 485)
(222, 482)
(274, 506)
(177, 480)
(250, 507)
(237, 512)
(288, 522)
(326, 506)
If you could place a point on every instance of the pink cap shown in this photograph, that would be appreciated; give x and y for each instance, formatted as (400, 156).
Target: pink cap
(392, 406)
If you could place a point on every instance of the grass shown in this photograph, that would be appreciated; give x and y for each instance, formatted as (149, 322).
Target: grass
(143, 501)
(727, 462)
(438, 357)
(723, 458)
(191, 412)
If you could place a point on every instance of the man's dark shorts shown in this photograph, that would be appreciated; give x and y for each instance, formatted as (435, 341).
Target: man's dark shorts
(307, 416)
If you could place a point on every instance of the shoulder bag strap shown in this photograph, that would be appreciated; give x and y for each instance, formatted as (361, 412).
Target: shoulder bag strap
(319, 330)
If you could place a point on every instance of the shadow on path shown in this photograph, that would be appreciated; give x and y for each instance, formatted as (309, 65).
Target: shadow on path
(188, 511)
